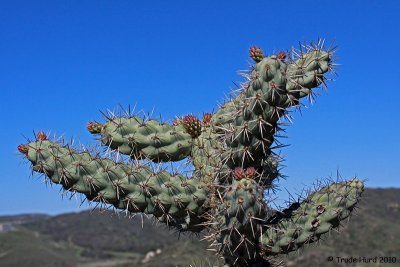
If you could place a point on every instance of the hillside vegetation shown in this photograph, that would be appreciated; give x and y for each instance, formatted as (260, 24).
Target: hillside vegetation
(106, 239)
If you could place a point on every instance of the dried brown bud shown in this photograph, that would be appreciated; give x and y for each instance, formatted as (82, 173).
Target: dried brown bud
(315, 223)
(320, 209)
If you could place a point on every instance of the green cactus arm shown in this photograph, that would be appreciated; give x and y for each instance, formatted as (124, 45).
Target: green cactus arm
(173, 199)
(308, 71)
(249, 122)
(317, 215)
(237, 219)
(142, 139)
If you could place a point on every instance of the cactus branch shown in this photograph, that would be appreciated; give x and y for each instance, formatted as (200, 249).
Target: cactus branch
(141, 139)
(172, 199)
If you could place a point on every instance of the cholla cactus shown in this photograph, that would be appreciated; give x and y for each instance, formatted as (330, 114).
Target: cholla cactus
(232, 151)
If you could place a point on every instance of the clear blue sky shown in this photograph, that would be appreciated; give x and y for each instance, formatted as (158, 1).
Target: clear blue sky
(63, 61)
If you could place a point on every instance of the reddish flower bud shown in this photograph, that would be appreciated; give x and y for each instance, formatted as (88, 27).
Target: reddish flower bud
(23, 149)
(239, 173)
(281, 56)
(41, 136)
(94, 127)
(256, 53)
(192, 125)
(250, 172)
(207, 119)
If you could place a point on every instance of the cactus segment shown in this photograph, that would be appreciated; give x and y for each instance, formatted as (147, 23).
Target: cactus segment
(141, 139)
(250, 121)
(317, 215)
(172, 199)
(239, 218)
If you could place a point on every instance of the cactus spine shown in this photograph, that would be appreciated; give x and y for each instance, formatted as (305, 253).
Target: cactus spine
(232, 151)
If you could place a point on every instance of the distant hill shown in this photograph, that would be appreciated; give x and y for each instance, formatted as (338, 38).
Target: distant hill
(23, 218)
(104, 239)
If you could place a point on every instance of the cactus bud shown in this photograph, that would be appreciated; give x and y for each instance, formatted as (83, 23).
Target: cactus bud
(239, 173)
(94, 127)
(281, 56)
(256, 53)
(207, 119)
(192, 125)
(250, 172)
(23, 149)
(41, 136)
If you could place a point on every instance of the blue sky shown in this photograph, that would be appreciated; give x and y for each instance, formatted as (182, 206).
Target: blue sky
(63, 61)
